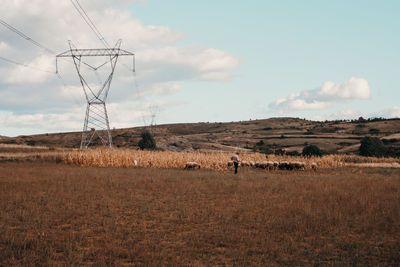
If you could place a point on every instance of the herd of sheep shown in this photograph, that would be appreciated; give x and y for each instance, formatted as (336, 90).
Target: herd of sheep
(266, 165)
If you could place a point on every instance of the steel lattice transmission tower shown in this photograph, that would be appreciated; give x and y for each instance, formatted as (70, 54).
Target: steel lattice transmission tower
(96, 119)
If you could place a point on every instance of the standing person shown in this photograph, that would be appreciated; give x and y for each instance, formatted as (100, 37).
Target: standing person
(236, 160)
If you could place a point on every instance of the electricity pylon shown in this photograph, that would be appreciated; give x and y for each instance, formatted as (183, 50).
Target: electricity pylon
(96, 119)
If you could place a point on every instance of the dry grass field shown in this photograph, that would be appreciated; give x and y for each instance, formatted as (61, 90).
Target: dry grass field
(57, 214)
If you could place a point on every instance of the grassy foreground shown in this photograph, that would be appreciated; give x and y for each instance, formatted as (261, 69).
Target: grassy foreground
(53, 214)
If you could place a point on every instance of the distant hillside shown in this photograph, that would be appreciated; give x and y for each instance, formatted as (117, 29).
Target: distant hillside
(289, 134)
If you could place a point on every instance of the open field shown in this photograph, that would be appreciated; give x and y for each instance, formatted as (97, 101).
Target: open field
(54, 214)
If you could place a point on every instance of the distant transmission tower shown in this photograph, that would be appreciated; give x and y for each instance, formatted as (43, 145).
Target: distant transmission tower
(153, 112)
(96, 120)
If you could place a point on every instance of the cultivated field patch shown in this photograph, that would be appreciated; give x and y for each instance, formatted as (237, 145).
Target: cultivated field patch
(209, 160)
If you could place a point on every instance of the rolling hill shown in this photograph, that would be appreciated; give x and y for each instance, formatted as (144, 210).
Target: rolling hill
(289, 134)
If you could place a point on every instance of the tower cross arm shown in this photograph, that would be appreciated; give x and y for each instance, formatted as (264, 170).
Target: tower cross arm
(95, 52)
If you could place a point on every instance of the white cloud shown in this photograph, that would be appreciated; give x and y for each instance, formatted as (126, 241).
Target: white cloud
(4, 47)
(49, 121)
(388, 113)
(165, 88)
(355, 88)
(191, 63)
(23, 75)
(301, 104)
(129, 2)
(324, 97)
(340, 115)
(122, 115)
(392, 112)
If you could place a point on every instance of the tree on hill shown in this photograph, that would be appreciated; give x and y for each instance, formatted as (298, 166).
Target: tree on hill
(147, 141)
(361, 119)
(311, 150)
(372, 147)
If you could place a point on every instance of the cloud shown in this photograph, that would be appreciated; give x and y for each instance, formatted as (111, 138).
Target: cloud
(49, 121)
(162, 63)
(129, 2)
(4, 47)
(24, 75)
(392, 112)
(355, 88)
(340, 115)
(121, 115)
(324, 97)
(166, 88)
(388, 113)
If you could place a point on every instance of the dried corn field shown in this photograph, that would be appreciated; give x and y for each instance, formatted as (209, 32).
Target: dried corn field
(207, 160)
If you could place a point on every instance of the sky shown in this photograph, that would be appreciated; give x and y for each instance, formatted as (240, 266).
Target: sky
(202, 61)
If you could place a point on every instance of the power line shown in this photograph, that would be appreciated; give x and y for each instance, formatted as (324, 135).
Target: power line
(94, 26)
(38, 69)
(24, 65)
(21, 34)
(89, 22)
(11, 28)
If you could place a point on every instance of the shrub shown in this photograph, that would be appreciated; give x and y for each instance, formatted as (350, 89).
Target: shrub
(147, 141)
(260, 143)
(280, 152)
(293, 153)
(361, 119)
(372, 147)
(267, 151)
(311, 150)
(392, 151)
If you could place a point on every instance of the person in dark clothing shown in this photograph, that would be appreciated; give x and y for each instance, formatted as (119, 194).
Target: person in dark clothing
(236, 160)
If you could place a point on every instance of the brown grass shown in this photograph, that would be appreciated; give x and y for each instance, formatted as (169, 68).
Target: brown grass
(54, 214)
(213, 160)
(208, 160)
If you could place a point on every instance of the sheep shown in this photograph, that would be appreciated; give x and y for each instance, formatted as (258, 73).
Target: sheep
(291, 165)
(257, 164)
(314, 166)
(192, 165)
(276, 165)
(245, 164)
(252, 163)
(230, 163)
(269, 165)
(261, 165)
(298, 165)
(284, 165)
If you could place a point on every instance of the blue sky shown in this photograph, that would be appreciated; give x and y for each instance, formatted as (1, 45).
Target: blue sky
(210, 61)
(287, 47)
